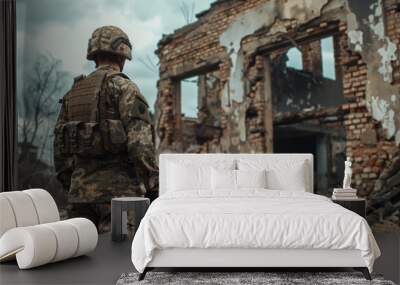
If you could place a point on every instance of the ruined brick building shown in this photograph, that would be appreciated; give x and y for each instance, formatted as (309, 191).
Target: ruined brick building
(289, 76)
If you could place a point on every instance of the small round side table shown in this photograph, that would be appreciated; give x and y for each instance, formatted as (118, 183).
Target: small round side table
(119, 208)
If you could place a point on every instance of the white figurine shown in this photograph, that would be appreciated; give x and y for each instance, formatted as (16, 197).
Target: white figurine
(348, 172)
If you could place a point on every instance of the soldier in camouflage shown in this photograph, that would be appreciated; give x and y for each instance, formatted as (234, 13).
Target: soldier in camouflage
(104, 141)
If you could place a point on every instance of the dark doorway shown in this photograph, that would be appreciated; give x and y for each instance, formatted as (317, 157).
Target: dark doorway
(327, 146)
(289, 140)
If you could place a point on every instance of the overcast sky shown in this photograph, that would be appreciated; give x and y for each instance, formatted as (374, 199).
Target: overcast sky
(63, 27)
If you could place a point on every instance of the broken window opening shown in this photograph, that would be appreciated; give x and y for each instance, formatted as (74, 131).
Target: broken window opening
(328, 58)
(198, 105)
(294, 58)
(293, 89)
(189, 97)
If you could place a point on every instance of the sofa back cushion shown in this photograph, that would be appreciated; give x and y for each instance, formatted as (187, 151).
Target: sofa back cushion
(26, 208)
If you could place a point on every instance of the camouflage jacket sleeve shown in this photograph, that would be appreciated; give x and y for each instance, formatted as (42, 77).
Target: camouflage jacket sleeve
(135, 116)
(62, 163)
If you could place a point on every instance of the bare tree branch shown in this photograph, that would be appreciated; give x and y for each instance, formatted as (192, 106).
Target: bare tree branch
(39, 99)
(187, 11)
(149, 67)
(151, 62)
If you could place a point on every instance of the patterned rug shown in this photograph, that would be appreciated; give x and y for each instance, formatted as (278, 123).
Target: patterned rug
(242, 278)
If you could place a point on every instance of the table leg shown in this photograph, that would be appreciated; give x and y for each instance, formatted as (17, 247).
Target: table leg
(116, 221)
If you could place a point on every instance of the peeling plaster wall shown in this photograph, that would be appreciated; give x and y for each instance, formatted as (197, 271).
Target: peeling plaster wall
(356, 38)
(264, 16)
(366, 27)
(366, 31)
(261, 17)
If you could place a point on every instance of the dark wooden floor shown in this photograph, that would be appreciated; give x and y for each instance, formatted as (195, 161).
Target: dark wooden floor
(110, 260)
(389, 263)
(103, 266)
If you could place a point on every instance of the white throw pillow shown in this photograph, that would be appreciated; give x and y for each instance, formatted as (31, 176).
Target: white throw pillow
(251, 179)
(223, 179)
(182, 177)
(293, 180)
(289, 175)
(187, 174)
(227, 179)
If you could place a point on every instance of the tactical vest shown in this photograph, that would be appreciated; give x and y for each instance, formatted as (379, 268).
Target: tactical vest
(83, 98)
(89, 129)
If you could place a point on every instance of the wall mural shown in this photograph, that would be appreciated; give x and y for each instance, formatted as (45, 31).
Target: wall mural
(320, 77)
(58, 132)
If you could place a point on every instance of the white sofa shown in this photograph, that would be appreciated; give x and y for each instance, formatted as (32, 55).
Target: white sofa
(31, 230)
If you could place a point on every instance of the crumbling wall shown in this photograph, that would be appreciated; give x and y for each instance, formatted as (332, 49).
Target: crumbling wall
(264, 16)
(367, 28)
(269, 17)
(372, 120)
(232, 38)
(164, 116)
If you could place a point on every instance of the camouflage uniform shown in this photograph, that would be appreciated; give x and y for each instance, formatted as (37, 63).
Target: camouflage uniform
(104, 144)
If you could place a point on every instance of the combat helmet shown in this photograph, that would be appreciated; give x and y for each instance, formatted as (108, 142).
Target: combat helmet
(109, 39)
